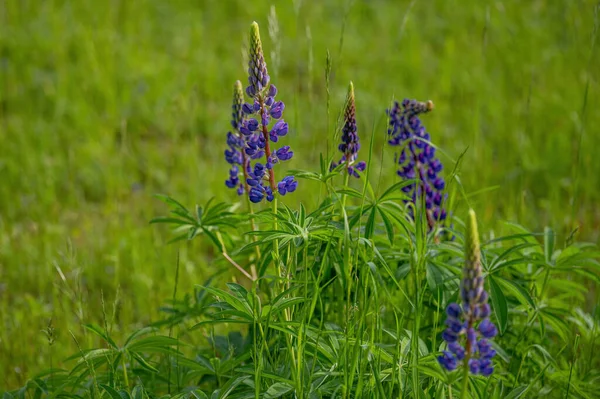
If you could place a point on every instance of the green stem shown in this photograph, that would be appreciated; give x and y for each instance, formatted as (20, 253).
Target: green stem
(346, 181)
(465, 383)
(254, 238)
(125, 378)
(546, 277)
(276, 241)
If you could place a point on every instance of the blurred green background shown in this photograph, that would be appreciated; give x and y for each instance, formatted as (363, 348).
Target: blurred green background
(104, 103)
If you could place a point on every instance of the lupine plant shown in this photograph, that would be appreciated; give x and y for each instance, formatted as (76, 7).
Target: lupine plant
(350, 141)
(370, 330)
(416, 158)
(259, 113)
(236, 141)
(468, 326)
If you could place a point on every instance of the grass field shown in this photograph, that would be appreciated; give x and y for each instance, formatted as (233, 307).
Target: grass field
(105, 103)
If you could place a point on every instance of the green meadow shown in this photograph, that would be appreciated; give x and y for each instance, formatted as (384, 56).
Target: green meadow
(104, 104)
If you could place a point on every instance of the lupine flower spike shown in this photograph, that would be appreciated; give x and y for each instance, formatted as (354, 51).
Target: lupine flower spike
(235, 154)
(259, 112)
(417, 158)
(468, 326)
(350, 142)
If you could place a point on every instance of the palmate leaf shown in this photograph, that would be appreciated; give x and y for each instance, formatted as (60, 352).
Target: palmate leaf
(519, 292)
(155, 344)
(138, 333)
(555, 320)
(207, 220)
(500, 304)
(98, 331)
(143, 362)
(237, 303)
(500, 261)
(324, 174)
(385, 206)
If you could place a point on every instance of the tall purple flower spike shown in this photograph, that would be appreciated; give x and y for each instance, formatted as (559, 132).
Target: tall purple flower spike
(468, 326)
(350, 141)
(236, 142)
(417, 157)
(262, 109)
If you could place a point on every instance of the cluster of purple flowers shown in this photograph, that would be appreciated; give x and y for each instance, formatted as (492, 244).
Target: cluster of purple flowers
(256, 136)
(417, 157)
(235, 154)
(350, 142)
(470, 324)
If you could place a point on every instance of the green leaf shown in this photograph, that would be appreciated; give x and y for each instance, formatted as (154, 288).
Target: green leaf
(138, 392)
(139, 333)
(197, 394)
(143, 363)
(517, 392)
(389, 226)
(370, 226)
(170, 201)
(286, 303)
(157, 344)
(99, 332)
(277, 390)
(500, 304)
(509, 251)
(549, 240)
(557, 322)
(241, 304)
(519, 292)
(102, 353)
(168, 220)
(239, 290)
(435, 279)
(111, 391)
(396, 187)
(350, 192)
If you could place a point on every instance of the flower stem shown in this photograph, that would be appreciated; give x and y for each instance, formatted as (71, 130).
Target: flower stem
(465, 382)
(265, 133)
(125, 378)
(346, 181)
(254, 238)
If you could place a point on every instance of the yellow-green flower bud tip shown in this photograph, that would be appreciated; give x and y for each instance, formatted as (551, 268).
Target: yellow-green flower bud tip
(472, 250)
(258, 76)
(236, 107)
(350, 92)
(255, 43)
(238, 93)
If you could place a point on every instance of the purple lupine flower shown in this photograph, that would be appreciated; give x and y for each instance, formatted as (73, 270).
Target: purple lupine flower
(468, 326)
(287, 185)
(236, 141)
(259, 112)
(417, 157)
(350, 142)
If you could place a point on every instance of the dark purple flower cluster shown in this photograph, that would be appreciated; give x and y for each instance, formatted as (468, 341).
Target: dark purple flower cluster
(259, 113)
(350, 142)
(470, 324)
(236, 142)
(417, 157)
